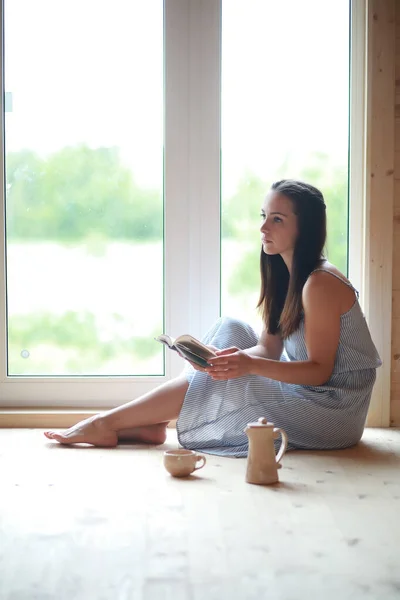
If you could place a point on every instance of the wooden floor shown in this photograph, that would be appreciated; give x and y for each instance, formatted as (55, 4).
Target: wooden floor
(88, 523)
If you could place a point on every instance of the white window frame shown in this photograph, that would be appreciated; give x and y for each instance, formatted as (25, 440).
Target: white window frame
(191, 193)
(357, 154)
(192, 202)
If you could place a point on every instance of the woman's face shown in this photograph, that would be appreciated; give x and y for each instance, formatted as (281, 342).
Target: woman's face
(279, 226)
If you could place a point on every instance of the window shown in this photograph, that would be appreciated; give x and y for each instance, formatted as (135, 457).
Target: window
(84, 187)
(285, 114)
(120, 151)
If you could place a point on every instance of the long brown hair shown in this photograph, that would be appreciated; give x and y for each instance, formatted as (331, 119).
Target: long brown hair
(280, 297)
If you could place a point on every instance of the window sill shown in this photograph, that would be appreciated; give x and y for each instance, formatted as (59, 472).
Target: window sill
(41, 418)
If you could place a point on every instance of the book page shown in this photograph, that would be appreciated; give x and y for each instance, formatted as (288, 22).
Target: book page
(164, 339)
(194, 346)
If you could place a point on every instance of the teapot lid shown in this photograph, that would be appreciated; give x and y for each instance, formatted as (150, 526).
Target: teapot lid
(261, 422)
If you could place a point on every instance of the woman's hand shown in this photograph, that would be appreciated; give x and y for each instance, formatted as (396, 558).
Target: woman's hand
(198, 367)
(230, 363)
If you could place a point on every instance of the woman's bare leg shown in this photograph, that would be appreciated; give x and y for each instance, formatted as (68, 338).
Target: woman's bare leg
(145, 419)
(150, 434)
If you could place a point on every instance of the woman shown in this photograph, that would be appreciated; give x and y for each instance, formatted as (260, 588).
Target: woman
(311, 372)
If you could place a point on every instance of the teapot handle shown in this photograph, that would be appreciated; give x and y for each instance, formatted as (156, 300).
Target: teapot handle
(283, 448)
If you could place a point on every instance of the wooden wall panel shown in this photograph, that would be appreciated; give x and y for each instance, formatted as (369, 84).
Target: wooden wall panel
(395, 371)
(380, 166)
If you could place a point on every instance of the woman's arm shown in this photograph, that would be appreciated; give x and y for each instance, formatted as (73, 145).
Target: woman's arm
(322, 300)
(269, 346)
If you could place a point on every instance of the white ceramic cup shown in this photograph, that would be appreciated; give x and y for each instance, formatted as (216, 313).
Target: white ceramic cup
(181, 463)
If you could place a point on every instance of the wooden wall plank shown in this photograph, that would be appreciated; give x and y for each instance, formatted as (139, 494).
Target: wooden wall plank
(395, 406)
(396, 217)
(397, 157)
(396, 305)
(395, 362)
(395, 352)
(397, 141)
(396, 252)
(381, 102)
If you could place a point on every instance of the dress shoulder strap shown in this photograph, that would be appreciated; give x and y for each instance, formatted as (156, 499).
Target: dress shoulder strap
(337, 277)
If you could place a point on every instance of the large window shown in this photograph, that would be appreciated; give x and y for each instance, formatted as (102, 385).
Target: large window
(134, 136)
(285, 106)
(84, 186)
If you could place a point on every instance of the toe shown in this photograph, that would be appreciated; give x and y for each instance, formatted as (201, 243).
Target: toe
(58, 437)
(61, 438)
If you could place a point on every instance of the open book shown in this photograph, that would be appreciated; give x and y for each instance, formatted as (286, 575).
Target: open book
(189, 348)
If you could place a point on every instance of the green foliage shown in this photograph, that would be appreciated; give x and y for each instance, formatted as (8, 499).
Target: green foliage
(241, 221)
(77, 333)
(332, 180)
(77, 193)
(87, 195)
(240, 214)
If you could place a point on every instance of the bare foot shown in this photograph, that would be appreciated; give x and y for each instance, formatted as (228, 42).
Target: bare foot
(90, 431)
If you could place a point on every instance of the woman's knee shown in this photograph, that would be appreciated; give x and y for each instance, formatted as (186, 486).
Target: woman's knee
(236, 332)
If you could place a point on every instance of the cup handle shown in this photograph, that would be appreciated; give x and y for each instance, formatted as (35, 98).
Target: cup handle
(200, 457)
(284, 443)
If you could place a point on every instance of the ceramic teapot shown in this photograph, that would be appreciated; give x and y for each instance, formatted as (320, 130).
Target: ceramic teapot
(262, 464)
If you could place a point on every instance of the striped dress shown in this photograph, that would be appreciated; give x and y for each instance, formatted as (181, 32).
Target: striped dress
(215, 413)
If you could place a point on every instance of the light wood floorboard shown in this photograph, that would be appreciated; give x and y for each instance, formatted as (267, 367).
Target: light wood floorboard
(88, 523)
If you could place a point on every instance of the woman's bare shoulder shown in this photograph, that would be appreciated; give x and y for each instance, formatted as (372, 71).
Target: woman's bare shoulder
(329, 278)
(328, 267)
